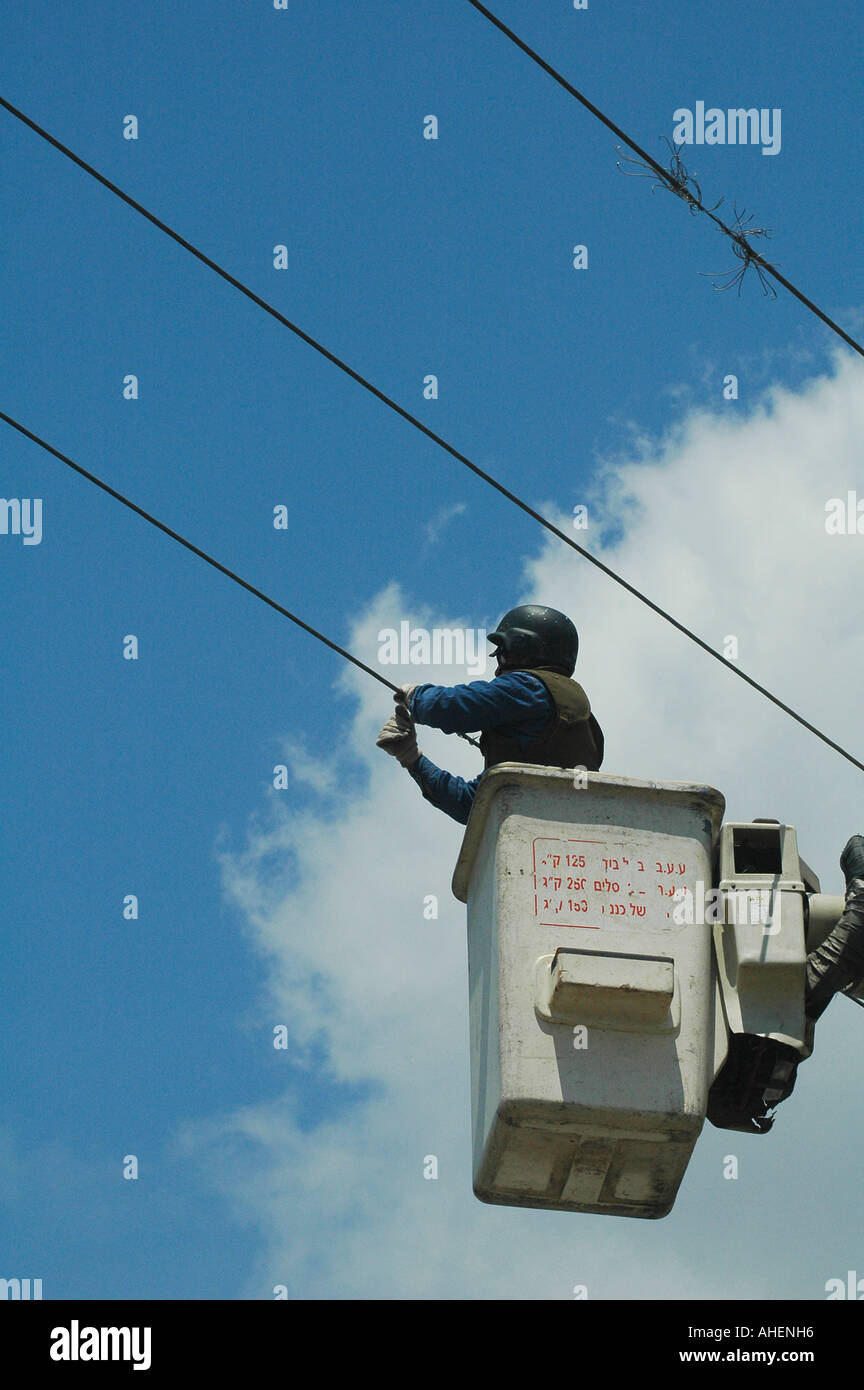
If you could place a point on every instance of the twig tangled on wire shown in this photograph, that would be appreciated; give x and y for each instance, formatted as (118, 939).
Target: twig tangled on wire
(745, 253)
(675, 180)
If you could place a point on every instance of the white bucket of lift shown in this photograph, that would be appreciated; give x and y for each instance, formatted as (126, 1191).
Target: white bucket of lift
(592, 1008)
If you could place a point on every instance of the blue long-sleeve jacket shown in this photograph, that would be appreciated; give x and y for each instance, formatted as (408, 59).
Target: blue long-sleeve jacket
(515, 701)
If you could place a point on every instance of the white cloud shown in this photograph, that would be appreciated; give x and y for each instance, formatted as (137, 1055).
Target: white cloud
(311, 772)
(724, 525)
(441, 520)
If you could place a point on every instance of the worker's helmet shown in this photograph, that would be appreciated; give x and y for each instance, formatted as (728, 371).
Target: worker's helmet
(536, 636)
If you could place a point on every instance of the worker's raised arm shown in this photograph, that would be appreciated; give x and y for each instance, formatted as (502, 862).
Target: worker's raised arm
(452, 795)
(532, 710)
(513, 697)
(447, 793)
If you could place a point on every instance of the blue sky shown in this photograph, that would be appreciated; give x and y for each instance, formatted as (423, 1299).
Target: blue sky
(406, 256)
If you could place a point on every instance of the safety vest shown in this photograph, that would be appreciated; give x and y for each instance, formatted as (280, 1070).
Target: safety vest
(572, 737)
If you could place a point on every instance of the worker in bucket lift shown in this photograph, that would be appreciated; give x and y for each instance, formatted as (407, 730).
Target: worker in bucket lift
(532, 712)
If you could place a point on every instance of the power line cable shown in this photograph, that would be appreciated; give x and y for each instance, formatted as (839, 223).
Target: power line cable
(223, 569)
(674, 181)
(424, 429)
(202, 554)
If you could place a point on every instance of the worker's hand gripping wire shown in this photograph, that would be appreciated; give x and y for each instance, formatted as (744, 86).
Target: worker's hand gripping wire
(398, 737)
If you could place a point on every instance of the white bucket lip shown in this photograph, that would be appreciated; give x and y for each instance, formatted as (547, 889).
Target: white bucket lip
(530, 774)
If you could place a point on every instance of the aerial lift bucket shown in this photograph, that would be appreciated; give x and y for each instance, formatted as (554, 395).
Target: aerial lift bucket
(594, 1006)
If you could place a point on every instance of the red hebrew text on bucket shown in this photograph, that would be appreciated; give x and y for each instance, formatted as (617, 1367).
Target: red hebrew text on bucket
(593, 884)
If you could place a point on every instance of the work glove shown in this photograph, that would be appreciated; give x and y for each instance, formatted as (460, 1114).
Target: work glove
(402, 696)
(398, 737)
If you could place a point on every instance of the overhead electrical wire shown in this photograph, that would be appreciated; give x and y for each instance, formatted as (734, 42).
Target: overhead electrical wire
(738, 234)
(203, 555)
(406, 415)
(334, 646)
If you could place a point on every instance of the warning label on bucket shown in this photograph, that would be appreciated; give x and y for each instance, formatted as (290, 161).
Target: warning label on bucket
(628, 882)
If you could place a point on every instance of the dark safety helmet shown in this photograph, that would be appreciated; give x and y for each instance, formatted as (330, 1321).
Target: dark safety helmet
(536, 636)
